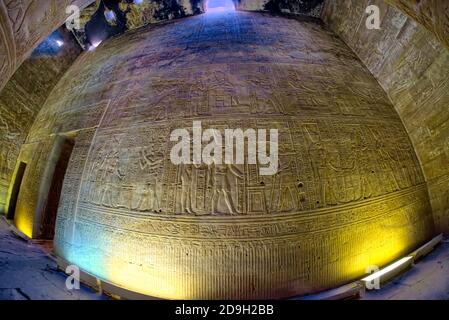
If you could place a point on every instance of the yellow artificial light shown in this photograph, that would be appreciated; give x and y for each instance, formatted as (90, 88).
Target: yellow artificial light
(387, 270)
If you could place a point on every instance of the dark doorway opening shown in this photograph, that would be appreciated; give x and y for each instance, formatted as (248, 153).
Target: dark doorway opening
(15, 191)
(50, 211)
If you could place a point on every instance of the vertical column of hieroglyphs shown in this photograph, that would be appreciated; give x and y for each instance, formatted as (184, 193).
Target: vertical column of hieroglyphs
(7, 63)
(27, 23)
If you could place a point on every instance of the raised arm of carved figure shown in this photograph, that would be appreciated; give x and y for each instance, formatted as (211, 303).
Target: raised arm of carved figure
(120, 175)
(236, 171)
(146, 161)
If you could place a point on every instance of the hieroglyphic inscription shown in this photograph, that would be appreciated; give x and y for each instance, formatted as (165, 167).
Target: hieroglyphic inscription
(414, 74)
(322, 163)
(348, 193)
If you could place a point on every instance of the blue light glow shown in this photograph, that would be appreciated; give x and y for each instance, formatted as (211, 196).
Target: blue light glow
(50, 46)
(110, 16)
(217, 6)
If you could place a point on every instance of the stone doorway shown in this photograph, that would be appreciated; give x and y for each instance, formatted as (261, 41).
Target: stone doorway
(50, 211)
(16, 191)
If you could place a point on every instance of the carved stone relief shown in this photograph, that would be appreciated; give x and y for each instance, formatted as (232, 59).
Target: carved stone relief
(21, 100)
(349, 191)
(412, 65)
(23, 25)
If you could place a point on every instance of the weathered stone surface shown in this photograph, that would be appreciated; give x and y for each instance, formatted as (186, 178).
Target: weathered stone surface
(23, 25)
(432, 14)
(350, 192)
(300, 7)
(413, 68)
(27, 90)
(26, 23)
(24, 95)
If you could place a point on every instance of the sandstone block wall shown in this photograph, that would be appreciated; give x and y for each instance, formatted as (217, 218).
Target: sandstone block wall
(350, 192)
(413, 68)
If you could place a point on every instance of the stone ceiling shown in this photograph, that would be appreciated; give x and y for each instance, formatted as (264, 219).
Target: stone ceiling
(25, 23)
(432, 14)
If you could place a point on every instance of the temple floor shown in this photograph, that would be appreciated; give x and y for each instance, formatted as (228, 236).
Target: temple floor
(427, 280)
(27, 272)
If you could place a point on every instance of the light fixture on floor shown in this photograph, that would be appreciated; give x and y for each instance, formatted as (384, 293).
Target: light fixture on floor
(389, 272)
(401, 265)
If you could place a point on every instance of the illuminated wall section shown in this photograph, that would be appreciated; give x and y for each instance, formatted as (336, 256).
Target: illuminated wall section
(24, 95)
(24, 25)
(349, 193)
(35, 72)
(412, 65)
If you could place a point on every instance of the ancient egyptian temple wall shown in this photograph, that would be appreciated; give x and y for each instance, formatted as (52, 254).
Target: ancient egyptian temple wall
(26, 23)
(412, 65)
(26, 82)
(349, 192)
(433, 15)
(23, 26)
(24, 95)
